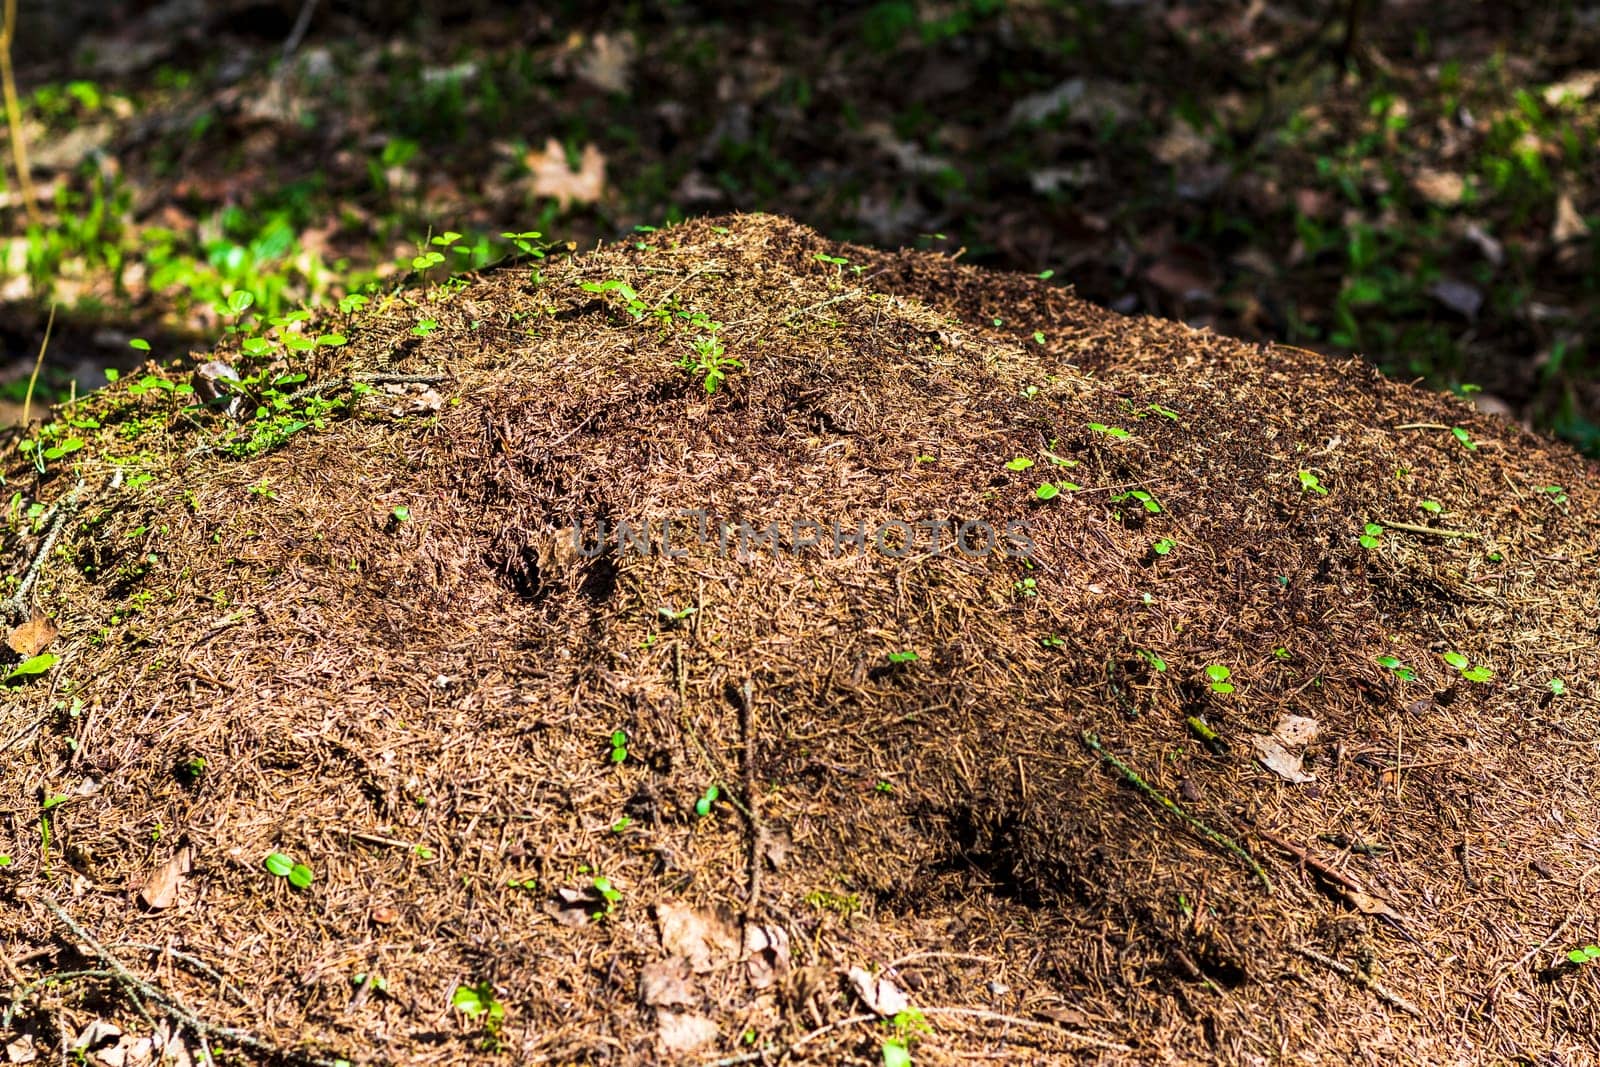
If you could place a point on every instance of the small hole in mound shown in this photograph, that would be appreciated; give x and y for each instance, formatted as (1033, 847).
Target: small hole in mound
(519, 572)
(600, 581)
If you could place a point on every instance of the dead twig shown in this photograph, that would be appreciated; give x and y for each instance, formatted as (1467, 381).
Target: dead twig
(1361, 978)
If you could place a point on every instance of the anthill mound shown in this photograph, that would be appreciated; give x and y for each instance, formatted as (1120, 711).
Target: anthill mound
(1111, 690)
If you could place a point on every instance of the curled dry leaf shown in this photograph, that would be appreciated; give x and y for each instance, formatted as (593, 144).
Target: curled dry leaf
(1279, 760)
(384, 915)
(161, 889)
(766, 949)
(33, 636)
(878, 993)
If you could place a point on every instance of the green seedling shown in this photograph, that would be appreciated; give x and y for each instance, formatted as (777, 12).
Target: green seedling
(621, 825)
(400, 514)
(1163, 546)
(1370, 533)
(907, 656)
(670, 616)
(1465, 438)
(1155, 661)
(1464, 665)
(1432, 507)
(609, 894)
(424, 328)
(1218, 676)
(619, 746)
(1109, 431)
(702, 807)
(1046, 275)
(1025, 587)
(300, 876)
(1402, 672)
(1556, 493)
(1310, 483)
(1052, 641)
(1038, 337)
(478, 1002)
(1557, 686)
(1021, 463)
(1586, 954)
(1144, 499)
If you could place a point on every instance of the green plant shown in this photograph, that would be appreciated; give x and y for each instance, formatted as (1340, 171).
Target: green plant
(1402, 672)
(1465, 438)
(619, 746)
(610, 896)
(1586, 954)
(1557, 686)
(907, 656)
(1109, 431)
(1370, 533)
(1469, 672)
(32, 666)
(1218, 676)
(711, 361)
(1021, 463)
(702, 806)
(279, 865)
(1309, 483)
(1144, 499)
(1025, 587)
(1155, 661)
(1432, 507)
(478, 1002)
(1163, 546)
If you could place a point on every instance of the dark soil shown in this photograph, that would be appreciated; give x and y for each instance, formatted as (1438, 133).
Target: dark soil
(420, 704)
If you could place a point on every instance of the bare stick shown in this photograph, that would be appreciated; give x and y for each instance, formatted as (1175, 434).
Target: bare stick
(33, 380)
(19, 146)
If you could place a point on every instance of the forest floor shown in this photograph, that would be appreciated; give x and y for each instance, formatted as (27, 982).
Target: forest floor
(1422, 191)
(988, 676)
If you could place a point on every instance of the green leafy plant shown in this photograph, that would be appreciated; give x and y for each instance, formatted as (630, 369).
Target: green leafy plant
(1144, 500)
(1109, 431)
(32, 666)
(279, 865)
(1163, 546)
(478, 1003)
(1370, 535)
(1432, 507)
(1021, 463)
(1401, 671)
(619, 746)
(1465, 438)
(1155, 661)
(1585, 955)
(1025, 587)
(1464, 665)
(1557, 686)
(1310, 483)
(702, 806)
(906, 656)
(1218, 676)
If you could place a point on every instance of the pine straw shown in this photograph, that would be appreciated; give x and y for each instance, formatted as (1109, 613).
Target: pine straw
(421, 710)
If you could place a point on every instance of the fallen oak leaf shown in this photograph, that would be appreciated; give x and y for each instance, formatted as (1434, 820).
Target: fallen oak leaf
(33, 636)
(161, 888)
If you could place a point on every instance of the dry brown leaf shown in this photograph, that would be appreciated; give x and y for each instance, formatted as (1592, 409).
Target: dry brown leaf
(33, 636)
(1296, 730)
(553, 177)
(1279, 760)
(705, 937)
(1441, 187)
(684, 1033)
(878, 993)
(1569, 224)
(161, 889)
(766, 949)
(665, 984)
(608, 63)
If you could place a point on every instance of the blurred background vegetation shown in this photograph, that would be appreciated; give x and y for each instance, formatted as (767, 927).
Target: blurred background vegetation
(1413, 181)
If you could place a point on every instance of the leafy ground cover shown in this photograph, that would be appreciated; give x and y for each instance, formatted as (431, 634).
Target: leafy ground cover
(1418, 185)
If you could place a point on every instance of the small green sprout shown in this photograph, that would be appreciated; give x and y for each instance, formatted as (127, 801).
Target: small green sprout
(425, 327)
(1282, 654)
(1370, 533)
(1401, 671)
(1557, 686)
(1432, 507)
(1145, 500)
(33, 665)
(619, 746)
(1465, 438)
(1555, 492)
(1046, 275)
(621, 825)
(1052, 641)
(1109, 431)
(1155, 661)
(1219, 675)
(400, 514)
(1025, 587)
(908, 656)
(1047, 491)
(1581, 956)
(702, 807)
(300, 876)
(1038, 336)
(138, 344)
(1021, 463)
(1310, 483)
(1163, 546)
(1462, 664)
(607, 892)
